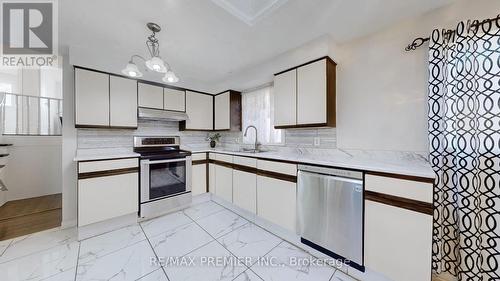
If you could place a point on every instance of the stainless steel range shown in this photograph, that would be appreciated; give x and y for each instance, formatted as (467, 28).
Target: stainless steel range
(165, 175)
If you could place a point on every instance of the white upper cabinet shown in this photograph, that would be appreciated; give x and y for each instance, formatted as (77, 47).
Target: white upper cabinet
(123, 102)
(174, 99)
(91, 98)
(306, 95)
(285, 98)
(311, 93)
(222, 112)
(150, 96)
(199, 108)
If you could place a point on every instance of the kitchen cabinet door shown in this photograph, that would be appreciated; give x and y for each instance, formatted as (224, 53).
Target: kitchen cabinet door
(123, 102)
(222, 112)
(245, 190)
(211, 178)
(174, 100)
(150, 96)
(311, 93)
(285, 99)
(108, 197)
(224, 182)
(199, 179)
(398, 242)
(199, 108)
(393, 234)
(276, 201)
(91, 98)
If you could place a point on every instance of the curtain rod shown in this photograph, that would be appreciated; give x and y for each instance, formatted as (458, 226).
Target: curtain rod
(419, 41)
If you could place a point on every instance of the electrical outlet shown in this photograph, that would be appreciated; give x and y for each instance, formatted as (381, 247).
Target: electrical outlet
(317, 141)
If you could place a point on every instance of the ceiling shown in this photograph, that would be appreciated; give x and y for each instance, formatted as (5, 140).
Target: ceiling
(204, 43)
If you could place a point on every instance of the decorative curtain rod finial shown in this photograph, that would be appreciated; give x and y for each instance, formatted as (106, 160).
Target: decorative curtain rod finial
(416, 43)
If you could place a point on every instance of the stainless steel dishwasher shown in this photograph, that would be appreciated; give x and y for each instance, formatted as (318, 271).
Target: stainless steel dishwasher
(330, 212)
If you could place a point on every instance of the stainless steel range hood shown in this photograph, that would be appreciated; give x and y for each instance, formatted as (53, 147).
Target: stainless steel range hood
(158, 114)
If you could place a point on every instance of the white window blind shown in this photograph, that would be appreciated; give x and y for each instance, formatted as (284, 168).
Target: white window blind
(258, 110)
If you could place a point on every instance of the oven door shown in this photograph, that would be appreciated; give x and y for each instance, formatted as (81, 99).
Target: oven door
(165, 178)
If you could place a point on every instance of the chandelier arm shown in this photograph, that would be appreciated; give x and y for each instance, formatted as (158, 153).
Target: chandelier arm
(137, 56)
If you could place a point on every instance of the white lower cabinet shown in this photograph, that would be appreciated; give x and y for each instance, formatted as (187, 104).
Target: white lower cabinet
(211, 178)
(106, 190)
(107, 197)
(398, 242)
(276, 201)
(199, 179)
(224, 182)
(245, 190)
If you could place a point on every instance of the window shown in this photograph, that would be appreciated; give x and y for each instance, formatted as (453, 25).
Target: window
(258, 110)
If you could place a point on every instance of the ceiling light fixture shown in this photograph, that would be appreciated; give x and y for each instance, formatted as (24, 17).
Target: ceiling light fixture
(155, 63)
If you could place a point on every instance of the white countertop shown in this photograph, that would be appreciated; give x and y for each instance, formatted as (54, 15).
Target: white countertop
(403, 163)
(103, 153)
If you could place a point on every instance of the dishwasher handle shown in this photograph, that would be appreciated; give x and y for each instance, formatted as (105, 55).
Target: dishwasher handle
(343, 173)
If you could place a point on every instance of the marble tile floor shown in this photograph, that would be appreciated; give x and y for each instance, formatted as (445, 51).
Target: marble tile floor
(203, 242)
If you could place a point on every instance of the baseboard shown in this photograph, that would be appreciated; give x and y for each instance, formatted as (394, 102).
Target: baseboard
(68, 223)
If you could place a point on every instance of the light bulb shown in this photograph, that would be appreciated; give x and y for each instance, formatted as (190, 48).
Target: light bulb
(156, 64)
(132, 70)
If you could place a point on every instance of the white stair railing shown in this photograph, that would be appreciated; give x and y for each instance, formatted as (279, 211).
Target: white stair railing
(30, 115)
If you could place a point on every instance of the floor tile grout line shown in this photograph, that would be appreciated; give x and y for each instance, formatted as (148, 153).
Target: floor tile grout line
(119, 249)
(77, 259)
(282, 240)
(238, 228)
(215, 239)
(4, 250)
(36, 252)
(153, 250)
(150, 220)
(200, 218)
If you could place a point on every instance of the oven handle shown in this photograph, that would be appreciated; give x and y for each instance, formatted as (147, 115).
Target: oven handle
(148, 162)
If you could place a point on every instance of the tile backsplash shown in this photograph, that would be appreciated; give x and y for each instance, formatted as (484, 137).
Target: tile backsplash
(122, 138)
(293, 138)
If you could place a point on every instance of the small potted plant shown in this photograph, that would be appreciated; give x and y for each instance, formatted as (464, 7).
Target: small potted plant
(214, 138)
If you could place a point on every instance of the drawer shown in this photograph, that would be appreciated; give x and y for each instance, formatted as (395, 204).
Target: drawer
(198, 156)
(415, 190)
(211, 156)
(245, 161)
(224, 158)
(277, 167)
(106, 165)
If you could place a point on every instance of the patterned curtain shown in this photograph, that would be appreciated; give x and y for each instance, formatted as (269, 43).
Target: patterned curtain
(464, 136)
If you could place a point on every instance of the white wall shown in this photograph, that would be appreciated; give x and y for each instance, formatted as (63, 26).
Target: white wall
(381, 89)
(264, 73)
(33, 166)
(68, 167)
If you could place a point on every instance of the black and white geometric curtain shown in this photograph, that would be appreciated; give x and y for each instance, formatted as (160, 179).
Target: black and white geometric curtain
(464, 136)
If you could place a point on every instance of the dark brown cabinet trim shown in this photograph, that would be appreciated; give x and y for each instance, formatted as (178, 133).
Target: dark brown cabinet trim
(106, 173)
(401, 177)
(400, 202)
(269, 174)
(199, 162)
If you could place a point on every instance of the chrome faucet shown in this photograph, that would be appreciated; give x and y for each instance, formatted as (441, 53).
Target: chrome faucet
(245, 134)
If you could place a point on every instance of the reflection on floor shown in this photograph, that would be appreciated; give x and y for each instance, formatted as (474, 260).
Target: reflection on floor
(204, 242)
(21, 217)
